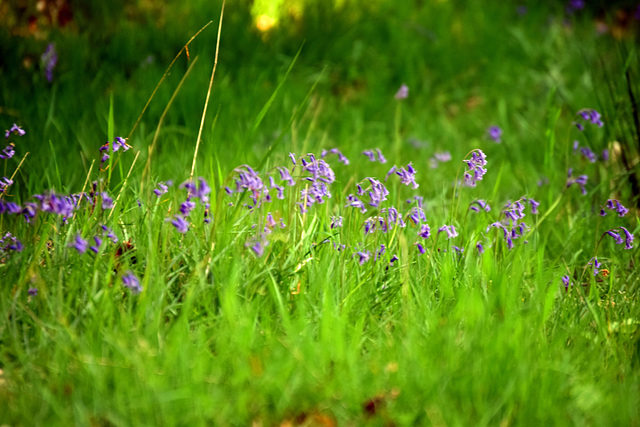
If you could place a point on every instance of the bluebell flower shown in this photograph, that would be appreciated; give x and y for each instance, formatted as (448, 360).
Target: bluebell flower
(476, 169)
(98, 242)
(49, 58)
(421, 248)
(180, 224)
(107, 201)
(425, 231)
(363, 257)
(596, 265)
(481, 204)
(15, 129)
(33, 292)
(163, 188)
(495, 134)
(131, 281)
(566, 281)
(79, 244)
(8, 152)
(336, 221)
(479, 247)
(450, 230)
(403, 92)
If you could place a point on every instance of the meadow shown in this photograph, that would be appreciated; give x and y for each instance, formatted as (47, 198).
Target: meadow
(371, 214)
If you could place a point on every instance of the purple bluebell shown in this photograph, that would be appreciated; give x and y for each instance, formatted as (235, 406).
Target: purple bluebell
(439, 157)
(354, 202)
(79, 244)
(33, 292)
(495, 134)
(293, 158)
(566, 281)
(450, 230)
(590, 155)
(417, 215)
(534, 206)
(286, 176)
(107, 201)
(627, 239)
(10, 243)
(403, 92)
(481, 204)
(380, 252)
(180, 224)
(407, 176)
(341, 157)
(479, 247)
(49, 59)
(476, 169)
(163, 188)
(98, 242)
(421, 248)
(29, 211)
(336, 222)
(15, 129)
(596, 265)
(108, 232)
(425, 231)
(614, 204)
(8, 152)
(377, 192)
(131, 281)
(581, 180)
(393, 259)
(591, 116)
(363, 256)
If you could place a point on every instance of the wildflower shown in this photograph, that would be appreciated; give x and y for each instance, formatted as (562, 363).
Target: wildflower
(514, 211)
(581, 180)
(315, 193)
(393, 259)
(248, 179)
(162, 188)
(107, 201)
(479, 247)
(4, 184)
(79, 244)
(417, 215)
(354, 202)
(373, 156)
(10, 243)
(258, 245)
(403, 92)
(627, 240)
(591, 115)
(131, 281)
(98, 242)
(476, 169)
(377, 193)
(8, 152)
(336, 221)
(450, 230)
(495, 133)
(53, 203)
(534, 206)
(614, 204)
(363, 257)
(293, 158)
(458, 249)
(574, 6)
(286, 176)
(596, 265)
(180, 224)
(590, 155)
(109, 233)
(425, 231)
(439, 157)
(481, 204)
(49, 58)
(421, 248)
(33, 292)
(10, 207)
(197, 191)
(186, 207)
(566, 281)
(380, 252)
(341, 157)
(15, 129)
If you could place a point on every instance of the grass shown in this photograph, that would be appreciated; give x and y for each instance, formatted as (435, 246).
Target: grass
(304, 333)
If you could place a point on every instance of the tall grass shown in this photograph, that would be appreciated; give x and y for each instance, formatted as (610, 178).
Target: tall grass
(305, 321)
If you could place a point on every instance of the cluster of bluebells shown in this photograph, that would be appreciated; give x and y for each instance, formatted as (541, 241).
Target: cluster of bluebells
(9, 243)
(95, 243)
(614, 205)
(364, 256)
(586, 152)
(580, 180)
(475, 168)
(321, 176)
(407, 175)
(117, 144)
(341, 157)
(588, 115)
(9, 151)
(196, 191)
(511, 225)
(375, 155)
(52, 203)
(622, 236)
(131, 281)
